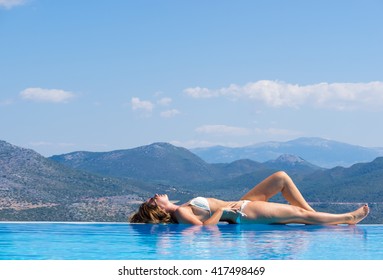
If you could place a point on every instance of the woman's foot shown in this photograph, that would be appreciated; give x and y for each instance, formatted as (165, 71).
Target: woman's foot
(359, 214)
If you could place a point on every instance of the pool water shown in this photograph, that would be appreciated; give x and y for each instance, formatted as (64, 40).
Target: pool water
(117, 241)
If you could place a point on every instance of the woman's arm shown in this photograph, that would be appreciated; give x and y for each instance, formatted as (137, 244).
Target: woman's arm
(214, 219)
(184, 216)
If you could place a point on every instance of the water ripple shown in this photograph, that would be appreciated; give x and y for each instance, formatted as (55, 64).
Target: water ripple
(132, 241)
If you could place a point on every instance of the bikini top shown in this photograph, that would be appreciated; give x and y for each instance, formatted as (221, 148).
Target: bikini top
(200, 202)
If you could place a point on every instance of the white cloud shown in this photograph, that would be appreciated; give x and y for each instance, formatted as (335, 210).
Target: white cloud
(8, 4)
(199, 92)
(338, 96)
(146, 107)
(46, 95)
(165, 101)
(169, 113)
(223, 130)
(142, 105)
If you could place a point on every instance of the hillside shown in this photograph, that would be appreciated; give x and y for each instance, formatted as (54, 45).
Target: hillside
(159, 162)
(35, 188)
(318, 151)
(168, 164)
(292, 164)
(360, 182)
(348, 187)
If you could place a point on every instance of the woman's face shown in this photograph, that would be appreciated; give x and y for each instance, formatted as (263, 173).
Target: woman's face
(158, 200)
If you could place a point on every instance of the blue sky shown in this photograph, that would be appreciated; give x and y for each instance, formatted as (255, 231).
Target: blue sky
(106, 75)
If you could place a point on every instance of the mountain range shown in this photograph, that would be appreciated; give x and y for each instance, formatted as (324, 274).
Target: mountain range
(106, 186)
(318, 151)
(165, 163)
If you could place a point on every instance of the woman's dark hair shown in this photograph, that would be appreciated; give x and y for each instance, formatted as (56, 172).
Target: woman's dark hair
(151, 214)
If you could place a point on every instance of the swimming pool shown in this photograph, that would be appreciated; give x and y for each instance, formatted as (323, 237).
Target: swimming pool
(114, 241)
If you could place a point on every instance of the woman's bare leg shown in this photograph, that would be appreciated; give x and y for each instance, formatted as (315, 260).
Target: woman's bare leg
(278, 182)
(276, 213)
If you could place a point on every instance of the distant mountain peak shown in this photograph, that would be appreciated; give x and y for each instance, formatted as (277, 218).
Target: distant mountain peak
(287, 158)
(318, 151)
(291, 163)
(164, 145)
(161, 144)
(5, 145)
(157, 145)
(160, 149)
(290, 160)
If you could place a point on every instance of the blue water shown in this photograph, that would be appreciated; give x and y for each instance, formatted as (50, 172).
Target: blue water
(88, 241)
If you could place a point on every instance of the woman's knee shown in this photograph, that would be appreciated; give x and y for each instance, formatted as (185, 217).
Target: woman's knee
(300, 215)
(280, 175)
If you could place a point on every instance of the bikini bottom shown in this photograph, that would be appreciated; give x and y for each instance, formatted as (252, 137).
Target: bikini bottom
(238, 220)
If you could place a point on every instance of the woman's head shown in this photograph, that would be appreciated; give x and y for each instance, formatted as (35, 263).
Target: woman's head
(151, 212)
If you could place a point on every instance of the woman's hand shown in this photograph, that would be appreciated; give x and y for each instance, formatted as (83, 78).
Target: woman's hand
(232, 212)
(231, 208)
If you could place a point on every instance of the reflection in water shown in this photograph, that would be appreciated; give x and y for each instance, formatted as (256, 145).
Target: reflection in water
(253, 241)
(139, 241)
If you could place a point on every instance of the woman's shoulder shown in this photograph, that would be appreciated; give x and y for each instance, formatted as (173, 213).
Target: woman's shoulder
(182, 211)
(184, 215)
